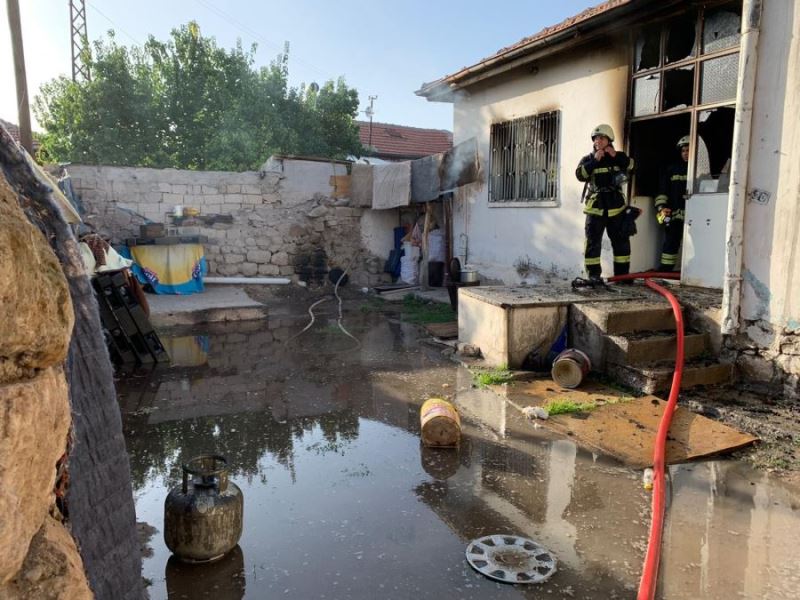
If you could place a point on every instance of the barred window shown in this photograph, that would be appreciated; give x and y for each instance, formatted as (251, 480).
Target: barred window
(524, 159)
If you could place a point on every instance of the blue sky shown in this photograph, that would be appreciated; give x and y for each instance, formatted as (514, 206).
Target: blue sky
(382, 48)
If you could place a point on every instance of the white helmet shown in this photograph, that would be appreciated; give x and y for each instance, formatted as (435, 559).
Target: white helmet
(684, 141)
(603, 130)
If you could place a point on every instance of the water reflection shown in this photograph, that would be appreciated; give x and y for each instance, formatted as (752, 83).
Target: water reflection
(342, 501)
(224, 579)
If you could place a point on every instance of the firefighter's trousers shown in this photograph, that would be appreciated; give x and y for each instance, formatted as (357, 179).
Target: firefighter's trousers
(621, 244)
(673, 236)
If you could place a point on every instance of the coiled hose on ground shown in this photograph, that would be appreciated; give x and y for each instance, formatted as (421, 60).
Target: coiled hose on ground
(649, 580)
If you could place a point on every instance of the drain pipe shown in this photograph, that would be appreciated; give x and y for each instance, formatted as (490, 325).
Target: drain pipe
(740, 158)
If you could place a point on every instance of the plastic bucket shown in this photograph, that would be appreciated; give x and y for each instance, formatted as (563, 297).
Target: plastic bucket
(440, 424)
(570, 368)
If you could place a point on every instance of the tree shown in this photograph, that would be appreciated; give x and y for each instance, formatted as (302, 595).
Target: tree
(186, 103)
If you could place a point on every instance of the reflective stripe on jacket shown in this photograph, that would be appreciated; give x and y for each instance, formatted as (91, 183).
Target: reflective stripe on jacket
(605, 194)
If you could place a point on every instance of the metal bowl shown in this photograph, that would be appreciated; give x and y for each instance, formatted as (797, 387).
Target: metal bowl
(469, 276)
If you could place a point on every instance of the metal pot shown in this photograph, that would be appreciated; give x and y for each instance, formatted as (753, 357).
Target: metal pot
(469, 276)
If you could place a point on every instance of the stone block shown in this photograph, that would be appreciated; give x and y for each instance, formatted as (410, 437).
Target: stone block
(180, 189)
(37, 310)
(233, 259)
(755, 368)
(34, 421)
(232, 199)
(788, 364)
(259, 256)
(172, 199)
(233, 189)
(251, 189)
(209, 189)
(249, 269)
(53, 569)
(230, 208)
(207, 199)
(269, 270)
(286, 270)
(319, 211)
(251, 200)
(280, 258)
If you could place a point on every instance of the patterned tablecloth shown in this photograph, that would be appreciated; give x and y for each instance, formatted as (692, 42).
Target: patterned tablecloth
(169, 269)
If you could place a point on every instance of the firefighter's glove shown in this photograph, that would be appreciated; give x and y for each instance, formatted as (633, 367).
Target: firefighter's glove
(664, 215)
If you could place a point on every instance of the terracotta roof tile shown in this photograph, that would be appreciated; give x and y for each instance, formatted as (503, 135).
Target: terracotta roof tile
(12, 129)
(399, 141)
(581, 17)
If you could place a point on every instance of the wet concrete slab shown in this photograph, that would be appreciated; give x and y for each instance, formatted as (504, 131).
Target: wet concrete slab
(525, 296)
(216, 303)
(342, 501)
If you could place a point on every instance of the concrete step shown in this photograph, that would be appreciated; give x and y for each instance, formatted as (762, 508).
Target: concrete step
(641, 349)
(615, 318)
(655, 378)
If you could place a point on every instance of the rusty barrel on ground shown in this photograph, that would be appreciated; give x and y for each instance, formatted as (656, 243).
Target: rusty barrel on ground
(570, 368)
(440, 423)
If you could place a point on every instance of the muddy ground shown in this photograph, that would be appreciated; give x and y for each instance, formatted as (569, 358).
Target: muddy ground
(755, 409)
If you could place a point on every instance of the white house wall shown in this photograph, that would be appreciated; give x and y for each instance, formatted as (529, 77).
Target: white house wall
(771, 266)
(588, 87)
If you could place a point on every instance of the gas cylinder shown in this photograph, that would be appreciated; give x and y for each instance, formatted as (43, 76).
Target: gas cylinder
(203, 516)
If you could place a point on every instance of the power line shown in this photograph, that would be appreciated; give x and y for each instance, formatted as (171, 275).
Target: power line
(247, 30)
(116, 27)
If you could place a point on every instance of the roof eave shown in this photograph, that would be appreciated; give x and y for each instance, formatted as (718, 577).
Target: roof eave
(443, 90)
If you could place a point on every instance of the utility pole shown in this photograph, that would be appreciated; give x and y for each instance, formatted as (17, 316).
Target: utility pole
(370, 112)
(77, 21)
(25, 137)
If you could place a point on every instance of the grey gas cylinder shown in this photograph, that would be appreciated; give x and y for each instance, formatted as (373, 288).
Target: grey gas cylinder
(203, 516)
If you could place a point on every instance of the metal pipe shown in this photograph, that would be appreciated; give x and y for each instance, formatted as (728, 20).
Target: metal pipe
(734, 230)
(247, 280)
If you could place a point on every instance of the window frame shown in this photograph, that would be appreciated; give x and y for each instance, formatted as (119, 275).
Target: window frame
(519, 130)
(697, 61)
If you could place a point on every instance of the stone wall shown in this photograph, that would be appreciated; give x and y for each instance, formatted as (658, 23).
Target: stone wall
(280, 216)
(39, 557)
(768, 354)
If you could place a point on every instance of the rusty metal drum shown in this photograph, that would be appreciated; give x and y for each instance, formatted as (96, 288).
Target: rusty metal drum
(570, 368)
(203, 516)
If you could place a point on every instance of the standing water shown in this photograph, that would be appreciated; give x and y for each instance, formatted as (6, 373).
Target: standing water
(342, 501)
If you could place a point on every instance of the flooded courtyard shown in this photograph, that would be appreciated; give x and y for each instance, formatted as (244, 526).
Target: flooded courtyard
(342, 501)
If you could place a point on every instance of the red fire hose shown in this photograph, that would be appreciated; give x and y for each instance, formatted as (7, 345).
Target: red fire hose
(649, 581)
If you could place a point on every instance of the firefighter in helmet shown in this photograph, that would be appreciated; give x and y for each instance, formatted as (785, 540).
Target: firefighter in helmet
(605, 171)
(671, 207)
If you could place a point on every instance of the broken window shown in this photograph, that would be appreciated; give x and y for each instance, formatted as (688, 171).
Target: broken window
(678, 88)
(721, 27)
(719, 77)
(681, 35)
(648, 48)
(524, 159)
(645, 95)
(697, 66)
(713, 149)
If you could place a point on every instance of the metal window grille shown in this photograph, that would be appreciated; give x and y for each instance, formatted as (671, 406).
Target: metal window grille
(524, 159)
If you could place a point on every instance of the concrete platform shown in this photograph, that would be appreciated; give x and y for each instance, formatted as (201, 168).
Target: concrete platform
(216, 303)
(519, 324)
(658, 378)
(525, 296)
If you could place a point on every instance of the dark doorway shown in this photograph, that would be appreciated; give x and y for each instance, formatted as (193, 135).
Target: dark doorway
(653, 147)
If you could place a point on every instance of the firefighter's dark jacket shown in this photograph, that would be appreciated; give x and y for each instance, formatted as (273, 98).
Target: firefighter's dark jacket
(672, 190)
(603, 193)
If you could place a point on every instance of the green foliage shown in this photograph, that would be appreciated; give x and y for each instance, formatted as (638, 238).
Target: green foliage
(497, 376)
(421, 311)
(562, 407)
(187, 103)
